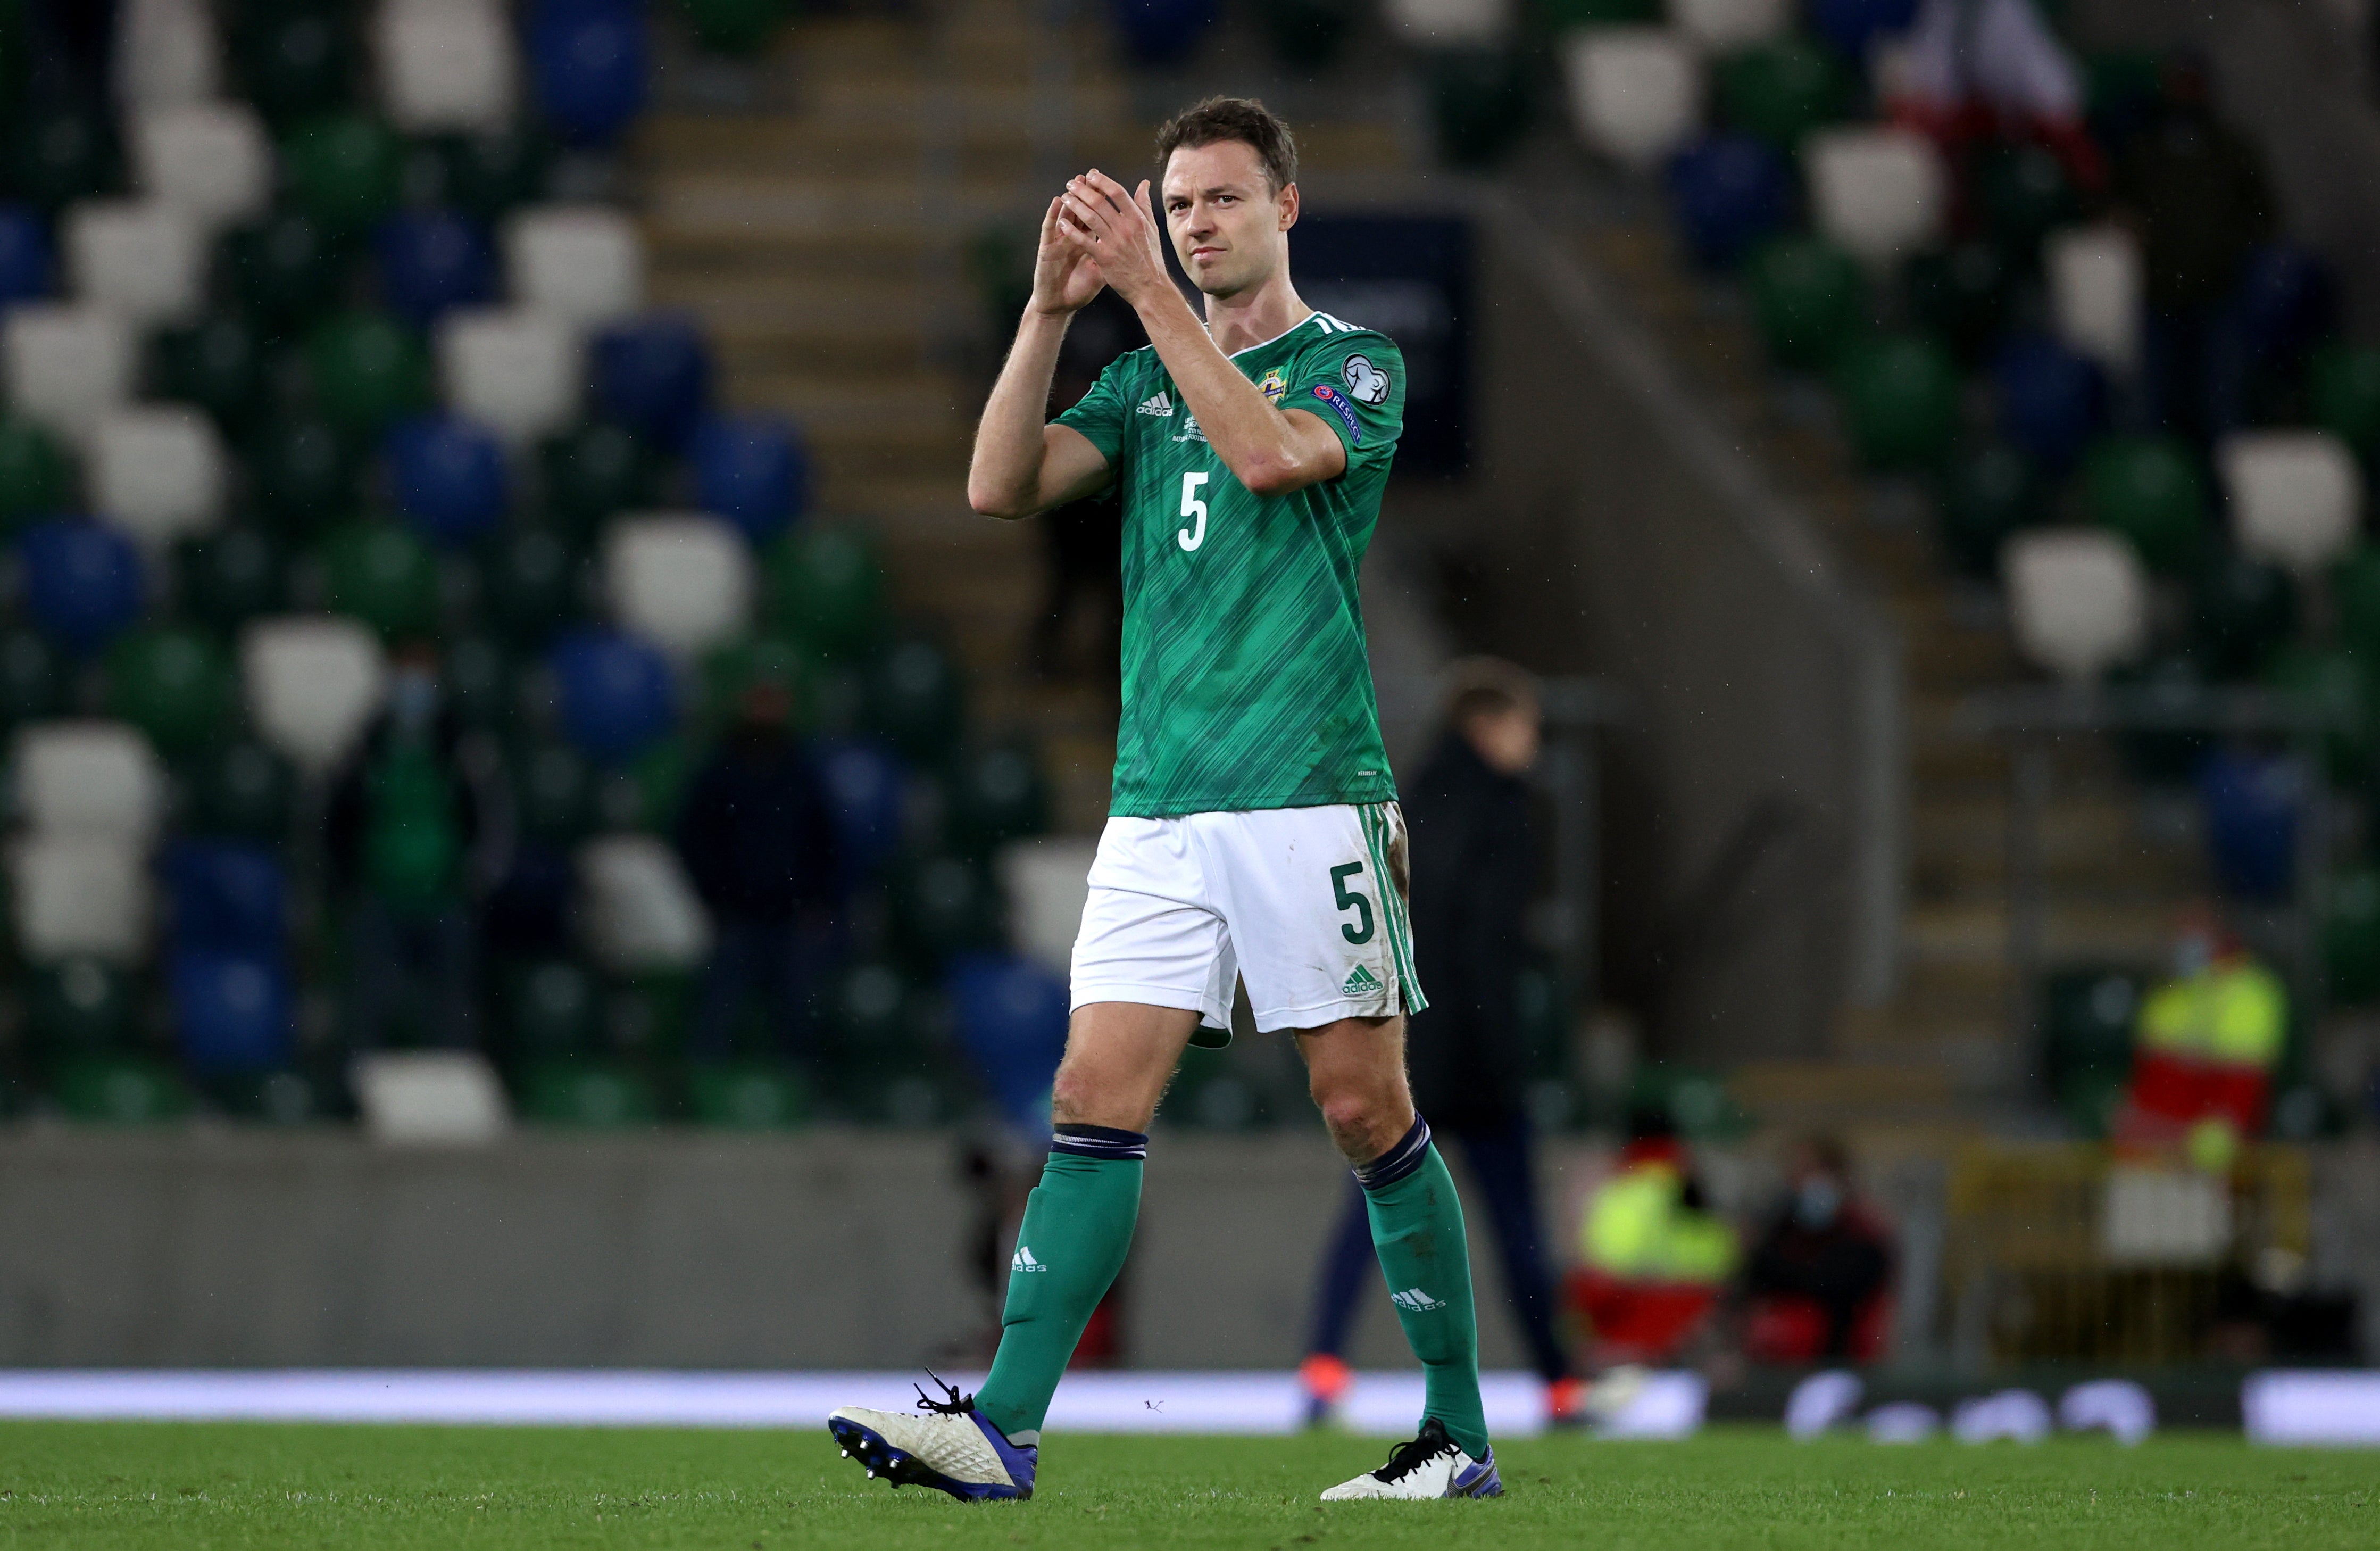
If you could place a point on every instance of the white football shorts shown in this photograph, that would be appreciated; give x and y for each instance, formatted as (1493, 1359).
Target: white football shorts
(1307, 905)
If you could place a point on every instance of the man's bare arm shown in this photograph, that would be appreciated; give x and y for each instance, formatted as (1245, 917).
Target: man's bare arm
(1022, 464)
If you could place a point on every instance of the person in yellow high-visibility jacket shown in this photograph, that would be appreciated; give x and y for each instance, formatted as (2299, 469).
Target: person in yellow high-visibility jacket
(1652, 1258)
(2206, 1045)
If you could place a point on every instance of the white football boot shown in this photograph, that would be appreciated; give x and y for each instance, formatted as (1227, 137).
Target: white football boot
(949, 1446)
(1430, 1466)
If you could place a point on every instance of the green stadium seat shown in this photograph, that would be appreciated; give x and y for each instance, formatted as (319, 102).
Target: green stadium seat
(175, 685)
(1307, 35)
(37, 479)
(215, 364)
(478, 677)
(1986, 496)
(1809, 299)
(747, 1095)
(1960, 295)
(294, 58)
(585, 1094)
(943, 905)
(648, 793)
(2344, 383)
(731, 669)
(2023, 193)
(384, 576)
(555, 1010)
(2087, 1016)
(2341, 683)
(31, 678)
(230, 576)
(1782, 90)
(738, 27)
(60, 152)
(555, 791)
(1899, 396)
(2355, 590)
(119, 1090)
(1696, 1102)
(594, 473)
(2241, 612)
(2163, 757)
(2350, 937)
(344, 170)
(80, 1007)
(368, 370)
(1479, 102)
(2149, 489)
(281, 1097)
(486, 175)
(915, 701)
(303, 472)
(241, 790)
(996, 795)
(826, 588)
(285, 270)
(530, 585)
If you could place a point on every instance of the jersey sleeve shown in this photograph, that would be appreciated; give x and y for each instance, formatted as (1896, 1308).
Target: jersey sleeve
(1100, 414)
(1355, 382)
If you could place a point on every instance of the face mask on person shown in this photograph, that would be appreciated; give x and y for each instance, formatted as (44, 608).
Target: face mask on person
(1817, 1203)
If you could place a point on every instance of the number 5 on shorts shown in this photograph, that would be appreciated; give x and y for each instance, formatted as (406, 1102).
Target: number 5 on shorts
(1362, 931)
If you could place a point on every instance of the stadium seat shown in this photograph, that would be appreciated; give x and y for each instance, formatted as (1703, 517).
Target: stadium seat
(616, 692)
(1986, 496)
(736, 27)
(1012, 1022)
(752, 470)
(143, 260)
(584, 265)
(1635, 92)
(344, 170)
(293, 60)
(588, 1095)
(943, 905)
(227, 896)
(2078, 599)
(865, 787)
(208, 160)
(448, 476)
(31, 678)
(80, 1007)
(747, 1095)
(82, 581)
(61, 152)
(1479, 102)
(2023, 194)
(1780, 92)
(444, 65)
(166, 54)
(232, 1011)
(826, 588)
(158, 471)
(2242, 610)
(914, 699)
(229, 576)
(431, 262)
(1878, 193)
(1731, 192)
(2286, 300)
(1853, 26)
(554, 784)
(489, 174)
(383, 575)
(587, 60)
(996, 796)
(368, 369)
(439, 1098)
(1808, 297)
(89, 779)
(1440, 24)
(2344, 381)
(641, 914)
(2350, 938)
(511, 369)
(2148, 490)
(2050, 400)
(2252, 803)
(286, 269)
(2339, 684)
(2094, 287)
(67, 366)
(479, 682)
(173, 684)
(2088, 1014)
(553, 1009)
(1724, 26)
(593, 473)
(2355, 587)
(1046, 883)
(1900, 395)
(529, 584)
(2296, 496)
(37, 477)
(74, 895)
(312, 685)
(216, 364)
(239, 790)
(25, 259)
(302, 472)
(682, 580)
(653, 375)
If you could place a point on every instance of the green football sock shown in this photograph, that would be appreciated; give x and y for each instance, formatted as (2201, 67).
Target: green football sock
(1418, 1228)
(1077, 1227)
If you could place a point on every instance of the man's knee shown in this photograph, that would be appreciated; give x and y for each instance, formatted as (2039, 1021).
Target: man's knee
(1362, 1121)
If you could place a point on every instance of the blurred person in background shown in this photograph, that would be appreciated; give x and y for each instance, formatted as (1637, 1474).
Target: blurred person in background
(1475, 869)
(2205, 1046)
(1817, 1283)
(1652, 1256)
(760, 847)
(417, 828)
(1972, 70)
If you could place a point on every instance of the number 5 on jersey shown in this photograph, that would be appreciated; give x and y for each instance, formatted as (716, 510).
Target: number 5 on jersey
(1195, 534)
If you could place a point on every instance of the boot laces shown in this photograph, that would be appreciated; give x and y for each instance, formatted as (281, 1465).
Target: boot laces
(1430, 1444)
(952, 1404)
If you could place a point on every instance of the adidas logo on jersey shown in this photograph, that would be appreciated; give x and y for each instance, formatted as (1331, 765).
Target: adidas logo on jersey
(1160, 406)
(1417, 1300)
(1359, 981)
(1023, 1261)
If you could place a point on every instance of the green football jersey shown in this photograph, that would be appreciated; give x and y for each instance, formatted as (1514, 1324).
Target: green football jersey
(1245, 680)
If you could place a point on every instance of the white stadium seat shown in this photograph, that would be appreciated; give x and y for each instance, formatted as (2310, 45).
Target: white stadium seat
(2095, 293)
(681, 579)
(2296, 495)
(312, 685)
(428, 1098)
(208, 160)
(93, 779)
(1879, 193)
(78, 894)
(582, 263)
(639, 910)
(1635, 92)
(1450, 23)
(166, 54)
(158, 471)
(511, 369)
(2078, 598)
(69, 367)
(445, 65)
(141, 257)
(1722, 25)
(1046, 882)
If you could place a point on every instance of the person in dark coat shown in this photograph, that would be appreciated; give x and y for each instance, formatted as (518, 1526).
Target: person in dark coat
(1819, 1270)
(1474, 868)
(760, 848)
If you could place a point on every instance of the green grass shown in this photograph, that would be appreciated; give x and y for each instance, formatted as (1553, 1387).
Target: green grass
(213, 1488)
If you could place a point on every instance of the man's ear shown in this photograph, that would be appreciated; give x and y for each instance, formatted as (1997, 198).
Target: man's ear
(1288, 207)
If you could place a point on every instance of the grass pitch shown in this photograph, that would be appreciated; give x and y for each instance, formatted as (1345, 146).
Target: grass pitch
(67, 1487)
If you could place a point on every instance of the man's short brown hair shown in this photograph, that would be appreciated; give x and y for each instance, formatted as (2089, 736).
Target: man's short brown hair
(1487, 686)
(1233, 118)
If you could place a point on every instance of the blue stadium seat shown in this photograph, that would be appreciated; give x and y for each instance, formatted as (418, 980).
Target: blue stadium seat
(588, 59)
(1731, 191)
(752, 470)
(865, 785)
(2251, 802)
(431, 261)
(231, 1010)
(653, 375)
(616, 692)
(1012, 1021)
(2286, 300)
(1852, 25)
(25, 254)
(2051, 399)
(448, 476)
(82, 581)
(228, 896)
(1160, 33)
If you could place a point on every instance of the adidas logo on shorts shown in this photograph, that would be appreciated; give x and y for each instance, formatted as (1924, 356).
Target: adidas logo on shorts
(1160, 406)
(1359, 982)
(1417, 1300)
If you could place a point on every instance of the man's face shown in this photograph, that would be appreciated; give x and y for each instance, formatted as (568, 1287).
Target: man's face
(1229, 229)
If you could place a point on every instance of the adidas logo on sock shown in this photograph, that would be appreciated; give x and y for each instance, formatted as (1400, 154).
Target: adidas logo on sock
(1161, 405)
(1024, 1261)
(1360, 981)
(1417, 1300)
